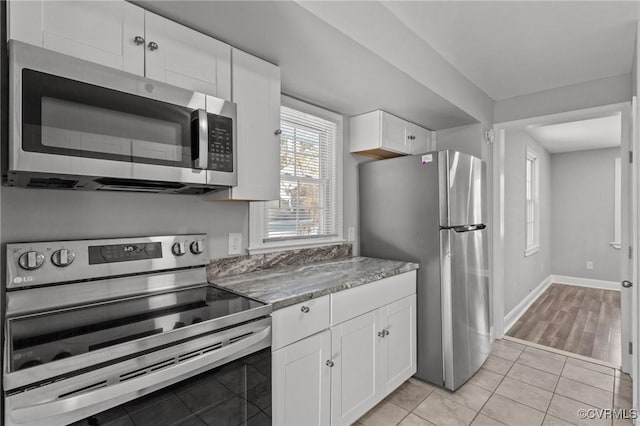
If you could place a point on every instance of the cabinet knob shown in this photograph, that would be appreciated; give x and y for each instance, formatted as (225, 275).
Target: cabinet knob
(305, 309)
(277, 132)
(386, 332)
(381, 334)
(153, 45)
(329, 363)
(411, 137)
(138, 40)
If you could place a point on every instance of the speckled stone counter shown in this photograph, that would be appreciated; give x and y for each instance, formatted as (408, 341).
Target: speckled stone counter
(288, 285)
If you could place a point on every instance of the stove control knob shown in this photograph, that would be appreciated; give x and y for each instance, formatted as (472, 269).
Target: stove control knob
(63, 257)
(31, 260)
(197, 247)
(178, 248)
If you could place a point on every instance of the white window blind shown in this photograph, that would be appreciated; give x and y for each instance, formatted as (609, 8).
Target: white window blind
(308, 186)
(532, 220)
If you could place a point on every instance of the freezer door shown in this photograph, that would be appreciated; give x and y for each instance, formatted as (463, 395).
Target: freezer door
(462, 190)
(465, 303)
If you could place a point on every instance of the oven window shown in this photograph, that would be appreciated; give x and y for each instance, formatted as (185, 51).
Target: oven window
(67, 117)
(237, 393)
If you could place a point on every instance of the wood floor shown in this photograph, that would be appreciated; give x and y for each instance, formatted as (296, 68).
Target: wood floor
(580, 320)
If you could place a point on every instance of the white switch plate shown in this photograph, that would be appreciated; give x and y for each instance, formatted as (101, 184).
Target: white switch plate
(590, 265)
(352, 234)
(235, 243)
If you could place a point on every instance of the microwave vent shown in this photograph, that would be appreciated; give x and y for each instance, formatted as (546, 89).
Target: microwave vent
(51, 183)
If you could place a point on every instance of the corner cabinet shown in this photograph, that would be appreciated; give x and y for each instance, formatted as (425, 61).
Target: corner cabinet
(121, 35)
(379, 134)
(256, 92)
(347, 356)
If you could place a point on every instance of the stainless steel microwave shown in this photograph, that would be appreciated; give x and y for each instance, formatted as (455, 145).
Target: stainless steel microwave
(74, 124)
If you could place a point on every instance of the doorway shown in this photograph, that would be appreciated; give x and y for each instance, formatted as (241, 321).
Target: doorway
(562, 232)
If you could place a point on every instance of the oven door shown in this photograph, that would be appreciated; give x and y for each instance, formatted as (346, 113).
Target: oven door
(223, 378)
(72, 117)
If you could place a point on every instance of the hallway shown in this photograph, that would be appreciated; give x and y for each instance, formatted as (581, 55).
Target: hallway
(580, 320)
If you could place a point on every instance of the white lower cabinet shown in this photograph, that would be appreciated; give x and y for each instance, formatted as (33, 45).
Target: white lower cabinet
(301, 382)
(355, 381)
(335, 376)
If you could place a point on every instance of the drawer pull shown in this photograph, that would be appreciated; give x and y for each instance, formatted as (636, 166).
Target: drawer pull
(329, 363)
(305, 309)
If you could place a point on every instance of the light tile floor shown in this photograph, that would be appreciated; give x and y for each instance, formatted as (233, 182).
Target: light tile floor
(518, 385)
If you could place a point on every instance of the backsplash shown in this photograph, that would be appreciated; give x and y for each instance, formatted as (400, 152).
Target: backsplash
(249, 263)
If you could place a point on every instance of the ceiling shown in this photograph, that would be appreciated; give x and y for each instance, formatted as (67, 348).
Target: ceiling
(512, 48)
(497, 48)
(594, 133)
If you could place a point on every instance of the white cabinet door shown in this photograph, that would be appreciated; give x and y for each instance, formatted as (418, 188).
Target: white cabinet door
(399, 342)
(256, 92)
(354, 377)
(98, 31)
(393, 133)
(186, 58)
(418, 139)
(301, 387)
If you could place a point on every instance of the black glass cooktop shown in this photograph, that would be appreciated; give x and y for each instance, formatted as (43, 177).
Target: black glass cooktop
(39, 339)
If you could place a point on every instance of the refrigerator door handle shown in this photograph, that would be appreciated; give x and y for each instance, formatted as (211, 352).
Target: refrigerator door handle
(466, 228)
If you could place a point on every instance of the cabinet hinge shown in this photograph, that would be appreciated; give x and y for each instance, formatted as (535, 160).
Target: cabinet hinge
(630, 156)
(630, 348)
(630, 252)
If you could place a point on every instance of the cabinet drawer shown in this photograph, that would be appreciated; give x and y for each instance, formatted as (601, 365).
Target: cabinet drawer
(365, 298)
(299, 321)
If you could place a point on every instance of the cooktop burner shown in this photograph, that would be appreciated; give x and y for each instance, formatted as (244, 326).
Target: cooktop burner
(38, 339)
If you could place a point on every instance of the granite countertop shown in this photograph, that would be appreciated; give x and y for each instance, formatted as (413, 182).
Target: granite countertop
(288, 285)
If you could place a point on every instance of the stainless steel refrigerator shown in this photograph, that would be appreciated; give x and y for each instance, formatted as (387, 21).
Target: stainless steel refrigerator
(431, 209)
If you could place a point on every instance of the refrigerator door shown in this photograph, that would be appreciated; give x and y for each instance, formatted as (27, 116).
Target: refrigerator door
(465, 303)
(462, 190)
(399, 220)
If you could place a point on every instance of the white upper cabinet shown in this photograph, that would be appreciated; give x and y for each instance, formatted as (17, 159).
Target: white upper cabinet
(419, 139)
(183, 57)
(379, 134)
(123, 36)
(256, 92)
(100, 32)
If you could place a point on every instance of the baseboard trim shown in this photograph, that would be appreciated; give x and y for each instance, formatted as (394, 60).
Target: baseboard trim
(511, 318)
(585, 282)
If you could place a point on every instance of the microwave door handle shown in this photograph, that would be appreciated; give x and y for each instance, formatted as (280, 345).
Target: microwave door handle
(32, 413)
(202, 145)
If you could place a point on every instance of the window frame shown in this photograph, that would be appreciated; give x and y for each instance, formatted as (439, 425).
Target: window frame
(532, 247)
(257, 243)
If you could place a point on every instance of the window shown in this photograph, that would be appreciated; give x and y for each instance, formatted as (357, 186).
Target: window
(532, 205)
(617, 204)
(308, 212)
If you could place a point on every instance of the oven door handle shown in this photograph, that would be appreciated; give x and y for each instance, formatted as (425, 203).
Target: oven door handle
(50, 410)
(200, 137)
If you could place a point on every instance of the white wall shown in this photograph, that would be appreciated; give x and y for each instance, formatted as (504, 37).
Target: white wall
(582, 219)
(523, 274)
(593, 93)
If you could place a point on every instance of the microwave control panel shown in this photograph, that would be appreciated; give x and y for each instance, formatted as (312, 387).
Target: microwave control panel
(220, 143)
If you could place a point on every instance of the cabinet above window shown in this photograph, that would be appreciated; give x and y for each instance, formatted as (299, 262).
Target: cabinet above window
(379, 134)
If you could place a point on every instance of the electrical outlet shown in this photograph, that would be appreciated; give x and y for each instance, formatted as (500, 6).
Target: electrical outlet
(590, 265)
(352, 234)
(235, 243)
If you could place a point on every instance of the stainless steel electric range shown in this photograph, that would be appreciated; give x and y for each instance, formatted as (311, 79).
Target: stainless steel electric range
(129, 332)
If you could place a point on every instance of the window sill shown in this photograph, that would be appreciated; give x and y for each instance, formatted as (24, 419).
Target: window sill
(531, 251)
(294, 245)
